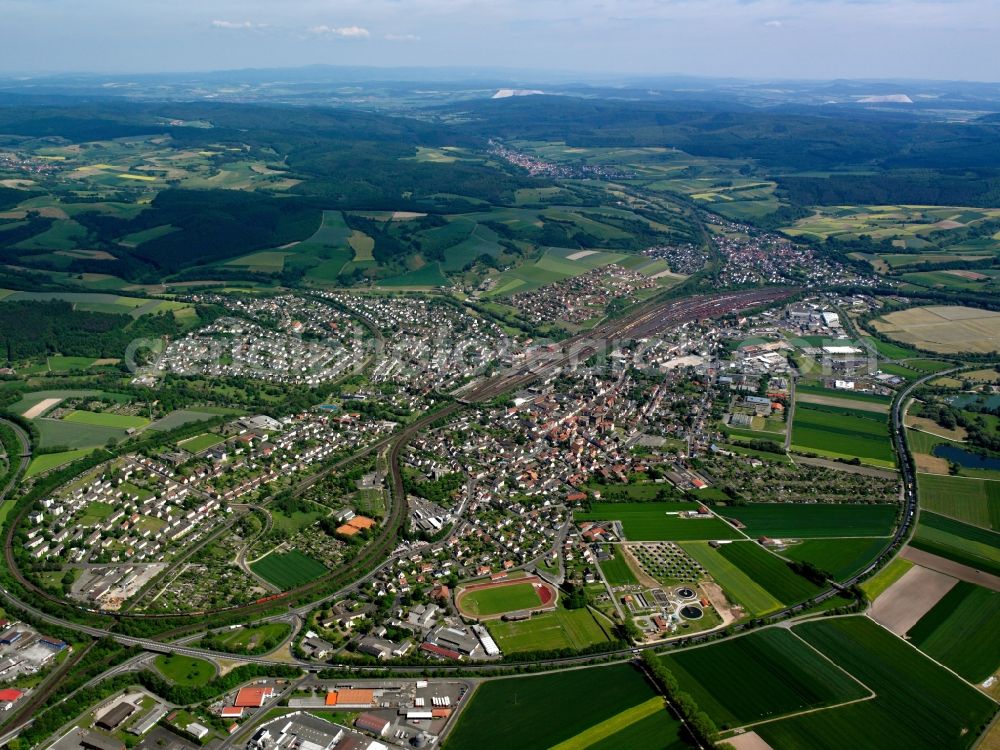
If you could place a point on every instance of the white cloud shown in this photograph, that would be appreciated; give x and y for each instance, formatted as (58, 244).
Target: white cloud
(402, 38)
(773, 24)
(348, 32)
(237, 25)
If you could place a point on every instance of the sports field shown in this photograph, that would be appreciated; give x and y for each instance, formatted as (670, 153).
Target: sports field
(495, 600)
(961, 631)
(201, 442)
(918, 705)
(121, 421)
(798, 520)
(973, 501)
(945, 329)
(842, 433)
(970, 545)
(658, 522)
(551, 631)
(540, 712)
(841, 558)
(740, 588)
(287, 570)
(765, 674)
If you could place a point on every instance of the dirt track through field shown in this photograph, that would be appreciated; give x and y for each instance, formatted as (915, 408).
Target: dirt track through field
(910, 598)
(951, 568)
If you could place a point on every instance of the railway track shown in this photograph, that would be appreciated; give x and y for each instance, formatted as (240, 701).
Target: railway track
(638, 325)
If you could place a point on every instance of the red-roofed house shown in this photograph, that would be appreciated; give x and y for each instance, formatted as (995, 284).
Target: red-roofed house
(8, 697)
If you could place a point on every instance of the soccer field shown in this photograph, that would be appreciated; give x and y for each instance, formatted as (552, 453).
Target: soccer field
(287, 570)
(499, 599)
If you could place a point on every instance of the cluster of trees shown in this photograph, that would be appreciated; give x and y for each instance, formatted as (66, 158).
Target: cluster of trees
(438, 491)
(37, 329)
(810, 572)
(979, 432)
(574, 597)
(696, 721)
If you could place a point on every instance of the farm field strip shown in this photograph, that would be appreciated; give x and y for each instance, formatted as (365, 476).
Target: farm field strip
(650, 522)
(972, 501)
(783, 520)
(760, 676)
(599, 732)
(969, 545)
(540, 711)
(841, 558)
(769, 572)
(960, 631)
(918, 704)
(739, 586)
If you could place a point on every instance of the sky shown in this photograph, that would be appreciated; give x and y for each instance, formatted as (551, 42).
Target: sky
(818, 39)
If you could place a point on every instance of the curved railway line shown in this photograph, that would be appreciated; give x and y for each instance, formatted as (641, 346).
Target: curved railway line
(641, 324)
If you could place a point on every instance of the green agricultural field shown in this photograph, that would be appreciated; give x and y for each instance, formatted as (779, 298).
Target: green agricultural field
(769, 572)
(819, 390)
(122, 421)
(783, 520)
(841, 558)
(973, 501)
(500, 599)
(179, 418)
(658, 522)
(660, 731)
(47, 461)
(554, 265)
(427, 276)
(60, 433)
(759, 676)
(551, 631)
(970, 545)
(875, 586)
(836, 432)
(739, 587)
(286, 570)
(889, 350)
(63, 364)
(617, 571)
(539, 712)
(960, 631)
(611, 727)
(201, 442)
(186, 671)
(918, 704)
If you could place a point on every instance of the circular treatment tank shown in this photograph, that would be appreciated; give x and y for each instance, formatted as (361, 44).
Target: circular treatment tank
(685, 593)
(691, 612)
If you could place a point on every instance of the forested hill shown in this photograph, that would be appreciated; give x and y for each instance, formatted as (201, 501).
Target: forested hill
(779, 139)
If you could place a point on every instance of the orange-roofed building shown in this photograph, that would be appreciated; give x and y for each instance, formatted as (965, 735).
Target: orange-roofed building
(358, 697)
(440, 713)
(361, 522)
(253, 697)
(347, 530)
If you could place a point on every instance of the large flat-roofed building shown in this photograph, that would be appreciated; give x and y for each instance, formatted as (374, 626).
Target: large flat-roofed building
(253, 697)
(113, 717)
